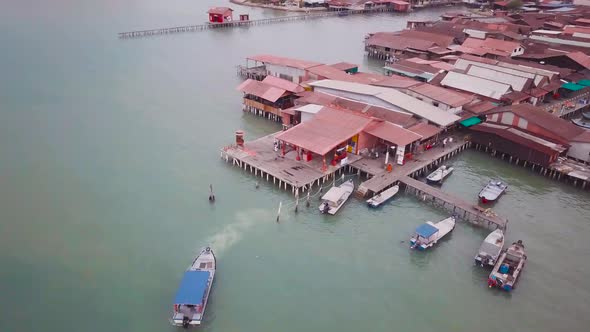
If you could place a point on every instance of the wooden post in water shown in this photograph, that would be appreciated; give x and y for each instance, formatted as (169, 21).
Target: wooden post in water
(279, 212)
(307, 202)
(211, 195)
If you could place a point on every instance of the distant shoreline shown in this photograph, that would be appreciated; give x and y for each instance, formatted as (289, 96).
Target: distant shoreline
(287, 9)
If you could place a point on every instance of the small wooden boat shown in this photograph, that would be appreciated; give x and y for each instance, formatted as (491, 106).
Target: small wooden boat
(193, 293)
(333, 200)
(490, 249)
(492, 191)
(438, 176)
(508, 267)
(428, 234)
(382, 197)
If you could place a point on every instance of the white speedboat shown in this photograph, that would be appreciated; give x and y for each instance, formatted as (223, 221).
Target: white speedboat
(508, 267)
(428, 234)
(492, 191)
(490, 249)
(333, 200)
(193, 293)
(383, 197)
(438, 176)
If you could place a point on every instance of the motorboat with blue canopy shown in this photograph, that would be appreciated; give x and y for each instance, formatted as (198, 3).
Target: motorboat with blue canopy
(192, 295)
(428, 234)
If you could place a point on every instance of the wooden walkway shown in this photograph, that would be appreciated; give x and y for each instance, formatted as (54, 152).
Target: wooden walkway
(260, 159)
(460, 208)
(419, 166)
(234, 24)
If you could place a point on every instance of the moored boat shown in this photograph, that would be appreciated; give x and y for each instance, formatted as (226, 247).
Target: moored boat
(429, 233)
(383, 197)
(490, 249)
(192, 295)
(508, 267)
(333, 200)
(438, 176)
(492, 191)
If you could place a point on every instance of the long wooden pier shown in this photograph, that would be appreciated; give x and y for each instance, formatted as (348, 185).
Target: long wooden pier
(460, 208)
(234, 24)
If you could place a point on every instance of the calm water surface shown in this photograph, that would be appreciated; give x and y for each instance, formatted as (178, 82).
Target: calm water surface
(107, 148)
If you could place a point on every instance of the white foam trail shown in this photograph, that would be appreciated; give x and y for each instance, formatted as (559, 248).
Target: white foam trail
(232, 233)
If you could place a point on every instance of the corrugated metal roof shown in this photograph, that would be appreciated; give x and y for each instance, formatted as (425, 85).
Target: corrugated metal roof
(392, 133)
(259, 89)
(477, 85)
(394, 97)
(440, 94)
(520, 137)
(344, 66)
(396, 42)
(309, 108)
(328, 129)
(543, 119)
(283, 61)
(425, 130)
(282, 84)
(517, 83)
(480, 107)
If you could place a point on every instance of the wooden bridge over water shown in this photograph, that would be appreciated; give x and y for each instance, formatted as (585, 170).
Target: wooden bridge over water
(234, 24)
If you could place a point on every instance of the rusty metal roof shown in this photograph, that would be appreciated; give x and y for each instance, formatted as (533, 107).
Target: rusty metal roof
(282, 84)
(392, 133)
(259, 89)
(283, 61)
(328, 129)
(220, 11)
(425, 130)
(440, 94)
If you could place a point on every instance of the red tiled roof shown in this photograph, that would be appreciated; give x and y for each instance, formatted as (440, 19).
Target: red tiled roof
(282, 84)
(392, 133)
(440, 94)
(329, 128)
(220, 11)
(282, 61)
(261, 90)
(425, 130)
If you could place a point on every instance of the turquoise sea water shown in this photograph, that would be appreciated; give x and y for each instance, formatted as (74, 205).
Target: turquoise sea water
(107, 148)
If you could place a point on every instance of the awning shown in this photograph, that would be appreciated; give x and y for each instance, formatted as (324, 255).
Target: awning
(470, 122)
(426, 230)
(584, 82)
(192, 288)
(572, 86)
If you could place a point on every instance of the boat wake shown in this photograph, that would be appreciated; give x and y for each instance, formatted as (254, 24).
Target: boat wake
(233, 233)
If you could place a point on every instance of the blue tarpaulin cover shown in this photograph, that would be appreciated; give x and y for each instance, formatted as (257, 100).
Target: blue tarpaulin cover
(426, 230)
(192, 288)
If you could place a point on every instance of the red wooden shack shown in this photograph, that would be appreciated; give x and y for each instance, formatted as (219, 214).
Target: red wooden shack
(400, 6)
(220, 15)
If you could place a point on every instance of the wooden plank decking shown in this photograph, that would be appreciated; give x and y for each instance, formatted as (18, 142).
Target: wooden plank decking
(458, 206)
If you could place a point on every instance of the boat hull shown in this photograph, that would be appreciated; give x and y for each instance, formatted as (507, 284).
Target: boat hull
(205, 261)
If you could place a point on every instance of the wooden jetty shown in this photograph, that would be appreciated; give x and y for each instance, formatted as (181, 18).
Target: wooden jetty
(234, 24)
(260, 158)
(460, 208)
(418, 167)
